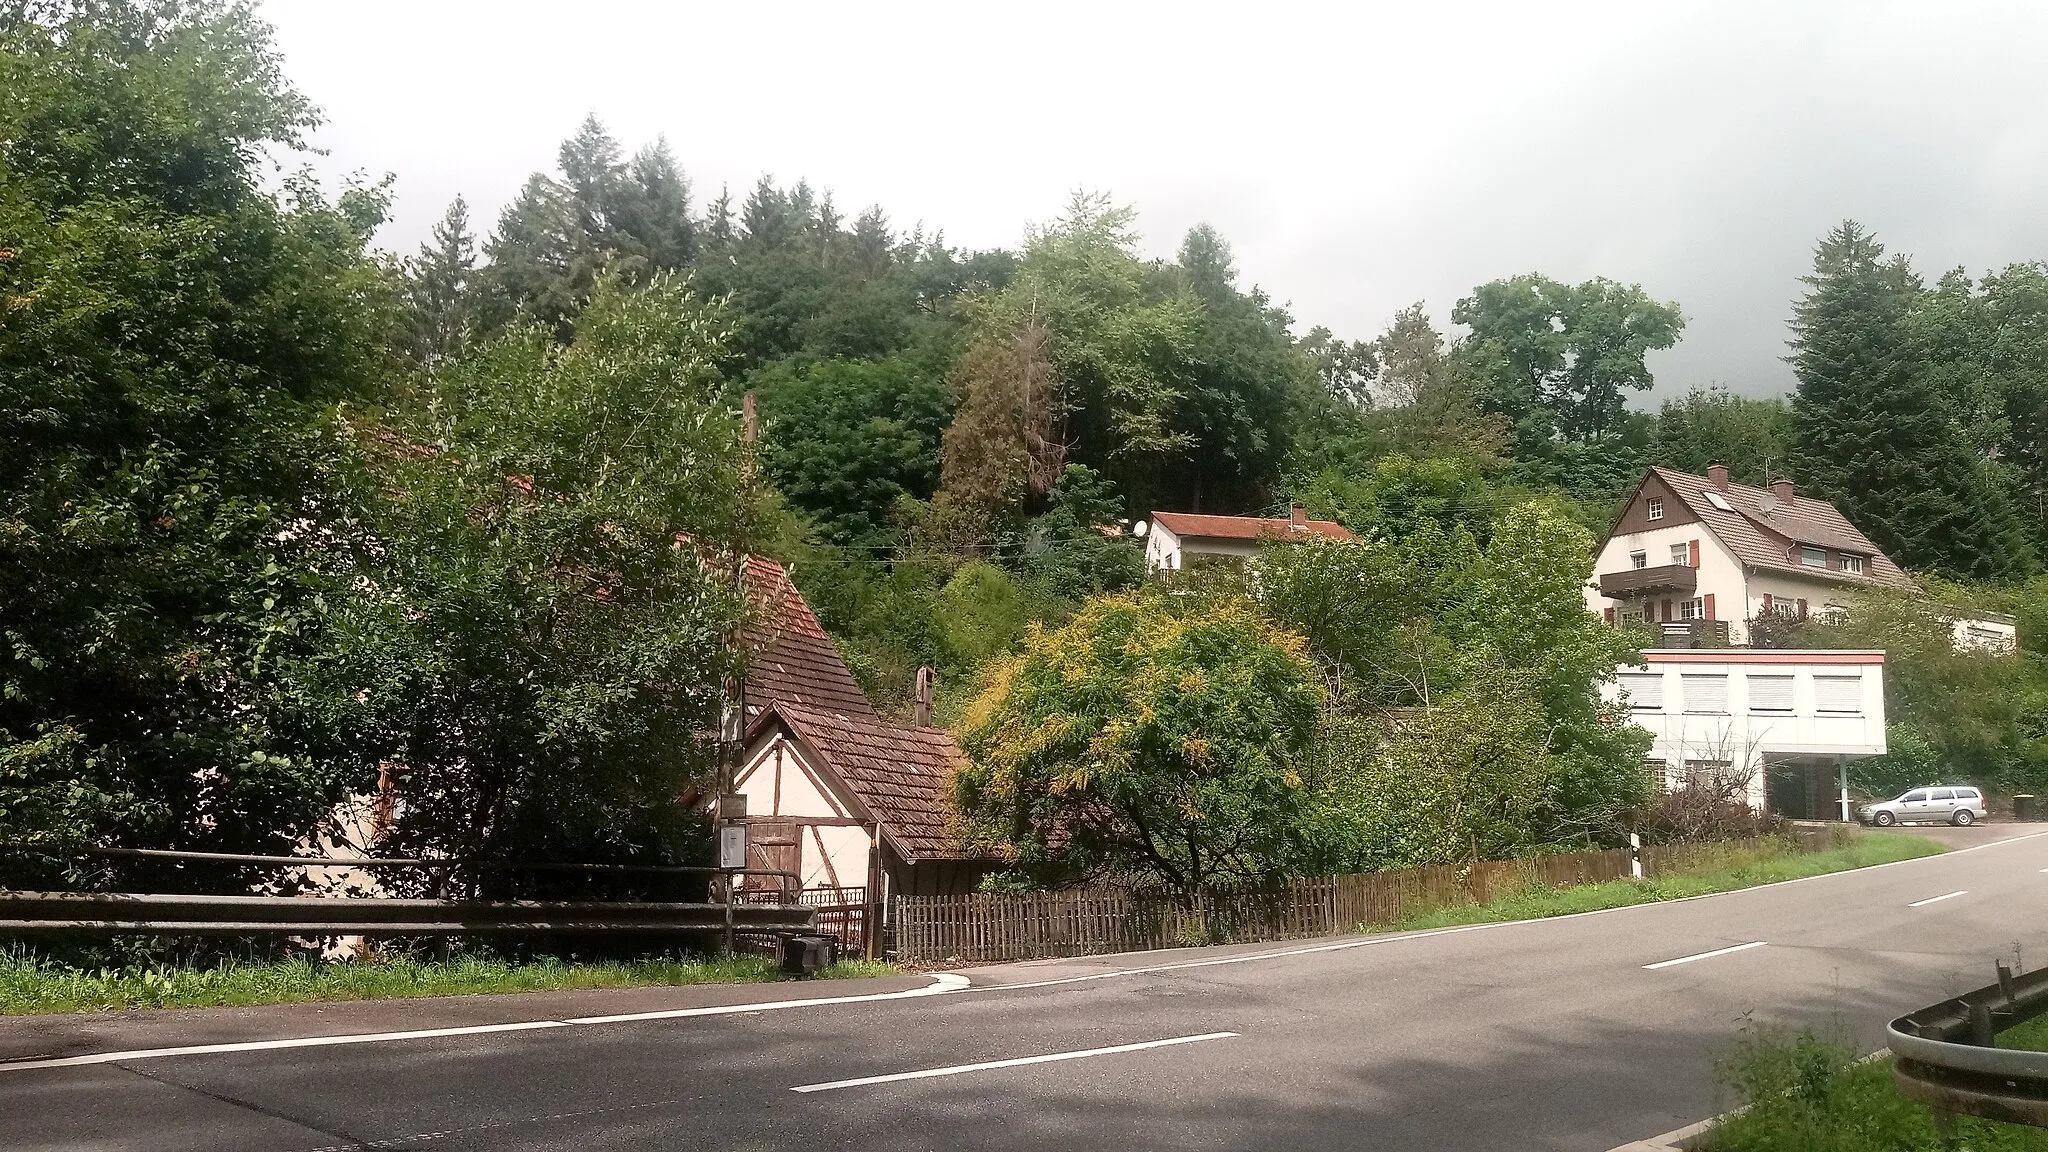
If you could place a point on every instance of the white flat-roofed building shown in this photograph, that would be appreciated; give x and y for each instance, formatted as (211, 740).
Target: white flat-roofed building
(1772, 726)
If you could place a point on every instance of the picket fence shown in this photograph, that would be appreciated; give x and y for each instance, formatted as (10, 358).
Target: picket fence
(985, 928)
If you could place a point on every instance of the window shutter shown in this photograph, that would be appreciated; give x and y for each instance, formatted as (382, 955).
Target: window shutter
(1610, 617)
(1707, 694)
(1802, 607)
(1710, 606)
(1645, 690)
(1667, 609)
(1838, 694)
(1770, 693)
(1695, 553)
(1767, 601)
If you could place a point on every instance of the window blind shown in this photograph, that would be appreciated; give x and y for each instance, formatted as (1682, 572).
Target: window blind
(1645, 691)
(1770, 693)
(1707, 694)
(1838, 694)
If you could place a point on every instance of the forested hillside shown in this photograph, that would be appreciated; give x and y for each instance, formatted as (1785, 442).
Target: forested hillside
(278, 510)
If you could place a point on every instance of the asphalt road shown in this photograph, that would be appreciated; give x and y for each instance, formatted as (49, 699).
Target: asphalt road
(1554, 1034)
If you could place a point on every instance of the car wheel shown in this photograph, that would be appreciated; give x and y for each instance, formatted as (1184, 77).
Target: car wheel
(1963, 818)
(1883, 819)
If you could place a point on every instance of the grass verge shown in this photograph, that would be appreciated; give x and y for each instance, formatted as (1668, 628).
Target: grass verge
(1725, 873)
(1804, 1094)
(30, 984)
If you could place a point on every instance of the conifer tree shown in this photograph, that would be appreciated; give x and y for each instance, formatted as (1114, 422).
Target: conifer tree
(438, 284)
(1874, 434)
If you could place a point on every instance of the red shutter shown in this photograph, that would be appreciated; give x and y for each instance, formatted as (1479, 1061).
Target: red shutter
(1695, 553)
(1767, 601)
(1667, 609)
(1802, 608)
(1610, 617)
(1710, 605)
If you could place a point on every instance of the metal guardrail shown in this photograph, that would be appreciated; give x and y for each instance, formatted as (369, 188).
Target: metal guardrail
(317, 916)
(1946, 1055)
(116, 912)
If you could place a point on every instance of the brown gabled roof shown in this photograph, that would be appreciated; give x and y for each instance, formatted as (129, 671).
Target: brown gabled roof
(1770, 540)
(1186, 524)
(897, 773)
(789, 656)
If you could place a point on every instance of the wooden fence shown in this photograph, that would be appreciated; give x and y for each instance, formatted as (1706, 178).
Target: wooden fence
(988, 928)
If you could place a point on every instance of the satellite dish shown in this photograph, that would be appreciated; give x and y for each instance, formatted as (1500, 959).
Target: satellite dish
(1138, 529)
(1767, 503)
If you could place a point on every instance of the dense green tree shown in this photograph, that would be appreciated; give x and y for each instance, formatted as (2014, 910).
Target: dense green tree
(543, 633)
(1710, 425)
(845, 439)
(440, 289)
(1145, 739)
(1877, 435)
(1561, 357)
(174, 342)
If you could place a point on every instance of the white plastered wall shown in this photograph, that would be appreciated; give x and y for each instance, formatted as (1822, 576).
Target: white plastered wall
(1719, 572)
(778, 781)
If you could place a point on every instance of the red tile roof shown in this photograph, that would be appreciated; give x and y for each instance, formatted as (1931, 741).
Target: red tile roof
(789, 656)
(1186, 524)
(1771, 539)
(898, 774)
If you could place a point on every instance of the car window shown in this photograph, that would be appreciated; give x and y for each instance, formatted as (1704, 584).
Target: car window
(1944, 794)
(1968, 794)
(1913, 797)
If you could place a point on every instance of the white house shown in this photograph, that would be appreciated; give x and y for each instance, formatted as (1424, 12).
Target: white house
(1690, 548)
(1173, 537)
(1779, 723)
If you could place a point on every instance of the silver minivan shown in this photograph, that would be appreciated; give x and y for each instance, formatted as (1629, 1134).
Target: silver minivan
(1955, 805)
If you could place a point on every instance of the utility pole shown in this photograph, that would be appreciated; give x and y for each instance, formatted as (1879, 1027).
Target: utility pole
(732, 713)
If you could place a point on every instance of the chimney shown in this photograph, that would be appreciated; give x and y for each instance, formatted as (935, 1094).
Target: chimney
(1297, 516)
(921, 707)
(1782, 489)
(1718, 473)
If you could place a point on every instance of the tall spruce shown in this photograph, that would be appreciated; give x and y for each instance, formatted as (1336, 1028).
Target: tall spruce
(438, 284)
(1874, 433)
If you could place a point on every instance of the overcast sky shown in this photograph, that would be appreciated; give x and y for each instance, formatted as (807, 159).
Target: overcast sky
(1358, 156)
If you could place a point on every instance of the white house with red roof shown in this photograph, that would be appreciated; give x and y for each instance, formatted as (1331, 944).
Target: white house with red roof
(1173, 537)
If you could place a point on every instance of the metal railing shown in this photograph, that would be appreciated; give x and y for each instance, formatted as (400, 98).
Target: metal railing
(1947, 1056)
(173, 913)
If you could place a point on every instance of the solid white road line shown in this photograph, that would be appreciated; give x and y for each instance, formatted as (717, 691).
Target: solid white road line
(1705, 955)
(942, 983)
(957, 1069)
(1936, 899)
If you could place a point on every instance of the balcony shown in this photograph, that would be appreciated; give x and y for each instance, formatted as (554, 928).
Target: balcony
(1678, 578)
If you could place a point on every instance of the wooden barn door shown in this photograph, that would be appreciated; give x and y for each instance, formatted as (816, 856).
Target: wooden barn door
(773, 843)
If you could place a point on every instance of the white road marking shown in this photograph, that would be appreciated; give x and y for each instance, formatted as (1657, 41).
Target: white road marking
(1936, 899)
(1705, 955)
(946, 983)
(942, 983)
(957, 1069)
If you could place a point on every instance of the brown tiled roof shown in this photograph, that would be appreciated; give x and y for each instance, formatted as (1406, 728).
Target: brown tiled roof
(790, 658)
(1770, 539)
(898, 774)
(1185, 524)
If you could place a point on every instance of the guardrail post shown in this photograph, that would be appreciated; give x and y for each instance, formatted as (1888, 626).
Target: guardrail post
(1635, 855)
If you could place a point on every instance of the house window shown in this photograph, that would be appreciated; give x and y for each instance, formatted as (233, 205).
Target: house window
(1681, 554)
(1656, 508)
(1639, 559)
(1770, 693)
(1645, 691)
(1813, 557)
(1706, 695)
(1839, 695)
(1852, 563)
(1694, 609)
